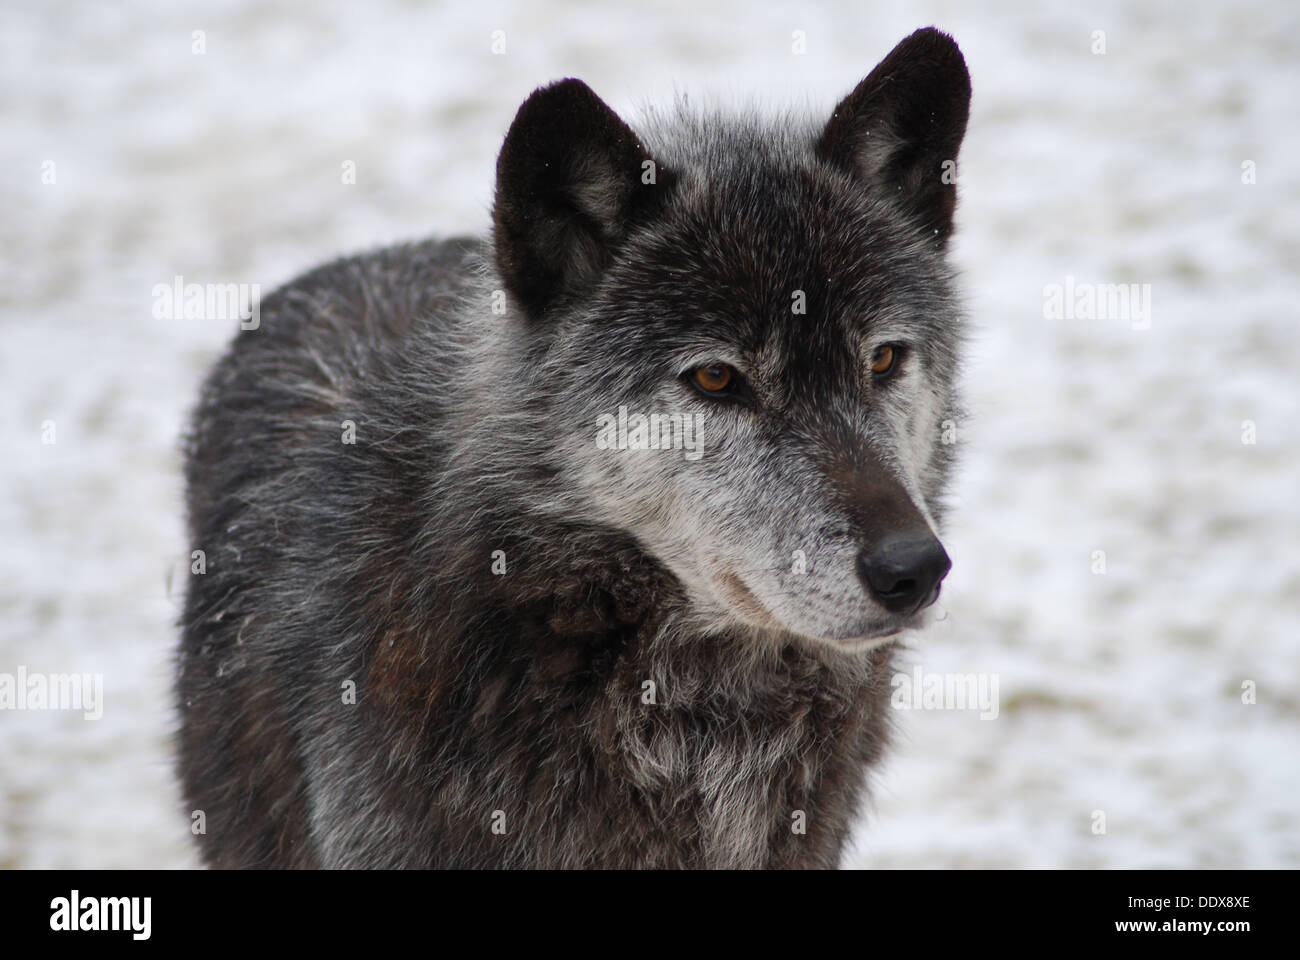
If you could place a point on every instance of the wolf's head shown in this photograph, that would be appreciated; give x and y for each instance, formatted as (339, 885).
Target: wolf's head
(742, 336)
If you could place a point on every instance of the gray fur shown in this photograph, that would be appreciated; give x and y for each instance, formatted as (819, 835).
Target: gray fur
(516, 700)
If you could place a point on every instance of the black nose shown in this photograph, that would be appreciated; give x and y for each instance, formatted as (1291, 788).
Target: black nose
(903, 572)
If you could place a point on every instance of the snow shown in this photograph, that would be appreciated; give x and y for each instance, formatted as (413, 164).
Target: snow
(1120, 692)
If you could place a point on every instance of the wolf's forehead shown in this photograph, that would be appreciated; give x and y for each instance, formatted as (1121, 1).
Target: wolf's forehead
(776, 248)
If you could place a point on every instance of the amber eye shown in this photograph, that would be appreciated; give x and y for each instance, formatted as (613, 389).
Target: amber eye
(882, 361)
(714, 378)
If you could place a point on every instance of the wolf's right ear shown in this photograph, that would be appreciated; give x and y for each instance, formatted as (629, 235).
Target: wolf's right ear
(901, 127)
(572, 180)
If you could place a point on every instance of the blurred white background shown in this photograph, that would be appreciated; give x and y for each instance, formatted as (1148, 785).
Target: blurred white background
(1120, 692)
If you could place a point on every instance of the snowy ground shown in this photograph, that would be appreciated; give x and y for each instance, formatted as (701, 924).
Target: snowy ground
(1119, 692)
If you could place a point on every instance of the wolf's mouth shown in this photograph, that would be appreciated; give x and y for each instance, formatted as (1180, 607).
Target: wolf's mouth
(855, 637)
(863, 644)
(744, 599)
(877, 634)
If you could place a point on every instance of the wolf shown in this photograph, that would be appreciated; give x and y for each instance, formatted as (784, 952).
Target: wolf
(441, 626)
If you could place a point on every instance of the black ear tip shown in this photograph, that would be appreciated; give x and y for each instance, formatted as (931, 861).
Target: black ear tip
(934, 38)
(932, 33)
(568, 90)
(549, 115)
(565, 87)
(933, 45)
(559, 110)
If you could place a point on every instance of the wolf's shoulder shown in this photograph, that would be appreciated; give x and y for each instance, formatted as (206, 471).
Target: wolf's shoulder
(335, 344)
(322, 334)
(377, 295)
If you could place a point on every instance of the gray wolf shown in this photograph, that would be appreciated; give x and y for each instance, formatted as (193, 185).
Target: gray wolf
(441, 625)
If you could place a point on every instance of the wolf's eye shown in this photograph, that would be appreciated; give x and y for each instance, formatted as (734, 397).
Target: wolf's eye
(884, 359)
(714, 378)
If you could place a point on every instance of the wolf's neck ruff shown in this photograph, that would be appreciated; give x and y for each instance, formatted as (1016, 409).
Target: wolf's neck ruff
(719, 749)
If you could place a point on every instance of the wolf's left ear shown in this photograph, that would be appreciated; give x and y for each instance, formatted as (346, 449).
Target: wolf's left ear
(572, 181)
(901, 128)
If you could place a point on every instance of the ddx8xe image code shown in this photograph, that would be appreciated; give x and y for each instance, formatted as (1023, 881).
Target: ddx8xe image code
(1213, 903)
